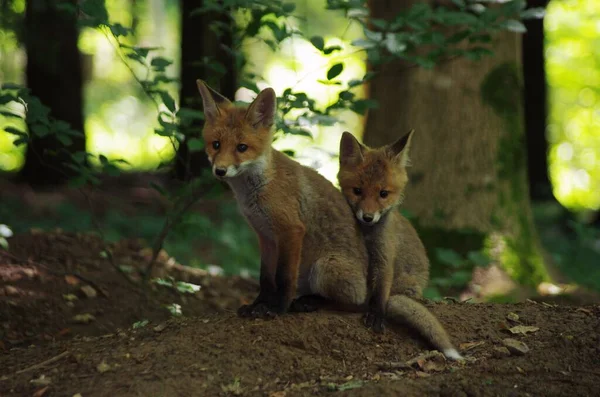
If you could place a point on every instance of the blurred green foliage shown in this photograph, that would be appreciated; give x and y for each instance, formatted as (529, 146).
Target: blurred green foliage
(573, 71)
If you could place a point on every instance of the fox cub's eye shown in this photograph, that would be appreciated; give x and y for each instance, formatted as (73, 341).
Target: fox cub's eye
(216, 145)
(357, 191)
(242, 148)
(383, 193)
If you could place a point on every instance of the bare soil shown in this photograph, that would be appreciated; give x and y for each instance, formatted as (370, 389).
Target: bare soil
(46, 351)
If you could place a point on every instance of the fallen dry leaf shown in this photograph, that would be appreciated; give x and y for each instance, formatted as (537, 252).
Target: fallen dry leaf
(41, 391)
(70, 297)
(586, 311)
(41, 381)
(278, 394)
(71, 280)
(470, 345)
(160, 327)
(103, 367)
(63, 332)
(421, 374)
(89, 291)
(500, 352)
(513, 317)
(523, 329)
(85, 318)
(515, 347)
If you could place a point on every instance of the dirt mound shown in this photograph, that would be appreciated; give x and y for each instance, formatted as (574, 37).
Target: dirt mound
(213, 352)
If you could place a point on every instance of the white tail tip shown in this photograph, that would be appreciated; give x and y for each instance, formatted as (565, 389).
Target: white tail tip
(453, 354)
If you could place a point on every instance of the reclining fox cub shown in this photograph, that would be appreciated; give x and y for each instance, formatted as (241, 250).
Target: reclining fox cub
(310, 243)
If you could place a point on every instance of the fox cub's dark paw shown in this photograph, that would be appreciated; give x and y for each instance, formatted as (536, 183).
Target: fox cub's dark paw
(375, 321)
(259, 310)
(306, 304)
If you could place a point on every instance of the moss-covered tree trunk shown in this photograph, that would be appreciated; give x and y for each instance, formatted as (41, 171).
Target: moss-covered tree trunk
(469, 167)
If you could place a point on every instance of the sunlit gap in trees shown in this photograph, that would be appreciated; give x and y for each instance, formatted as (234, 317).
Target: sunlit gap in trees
(572, 30)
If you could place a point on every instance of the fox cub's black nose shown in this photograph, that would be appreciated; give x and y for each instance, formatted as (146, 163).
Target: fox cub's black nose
(368, 218)
(220, 171)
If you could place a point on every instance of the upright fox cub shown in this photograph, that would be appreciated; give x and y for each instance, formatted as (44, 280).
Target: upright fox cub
(309, 241)
(373, 182)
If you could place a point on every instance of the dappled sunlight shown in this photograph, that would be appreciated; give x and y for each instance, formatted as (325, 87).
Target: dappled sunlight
(573, 70)
(304, 68)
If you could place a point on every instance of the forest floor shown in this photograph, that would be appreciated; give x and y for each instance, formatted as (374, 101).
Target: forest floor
(73, 324)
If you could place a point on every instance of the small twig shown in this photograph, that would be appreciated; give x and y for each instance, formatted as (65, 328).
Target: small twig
(169, 222)
(109, 254)
(44, 363)
(56, 272)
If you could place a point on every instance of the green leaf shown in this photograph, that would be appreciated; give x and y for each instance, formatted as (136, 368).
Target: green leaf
(533, 13)
(140, 324)
(393, 44)
(479, 258)
(318, 42)
(111, 169)
(195, 145)
(449, 257)
(366, 44)
(362, 105)
(460, 3)
(190, 114)
(14, 131)
(103, 159)
(379, 23)
(167, 100)
(160, 63)
(290, 153)
(331, 49)
(335, 71)
(3, 243)
(64, 139)
(7, 98)
(514, 26)
(118, 30)
(288, 7)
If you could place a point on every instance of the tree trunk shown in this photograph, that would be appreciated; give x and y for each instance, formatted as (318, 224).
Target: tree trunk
(540, 187)
(469, 172)
(53, 75)
(199, 44)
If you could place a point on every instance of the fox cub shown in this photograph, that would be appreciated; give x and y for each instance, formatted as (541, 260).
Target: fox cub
(309, 242)
(373, 183)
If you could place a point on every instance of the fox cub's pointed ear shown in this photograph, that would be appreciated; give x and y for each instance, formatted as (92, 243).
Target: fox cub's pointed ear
(211, 100)
(399, 149)
(261, 112)
(351, 151)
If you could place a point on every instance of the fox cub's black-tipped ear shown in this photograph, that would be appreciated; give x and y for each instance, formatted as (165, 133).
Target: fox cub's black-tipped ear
(399, 149)
(261, 112)
(351, 151)
(211, 100)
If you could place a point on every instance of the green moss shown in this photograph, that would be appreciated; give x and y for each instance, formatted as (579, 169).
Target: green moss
(502, 91)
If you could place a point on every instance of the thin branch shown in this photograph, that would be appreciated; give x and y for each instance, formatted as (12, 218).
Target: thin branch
(98, 228)
(169, 222)
(44, 363)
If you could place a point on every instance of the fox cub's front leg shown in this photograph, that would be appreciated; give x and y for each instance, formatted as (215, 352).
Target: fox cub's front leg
(280, 262)
(382, 275)
(267, 297)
